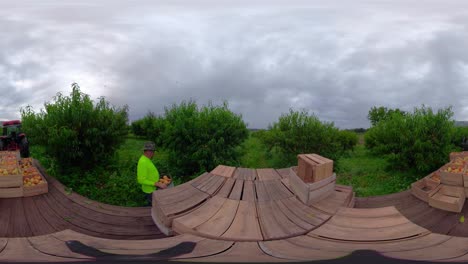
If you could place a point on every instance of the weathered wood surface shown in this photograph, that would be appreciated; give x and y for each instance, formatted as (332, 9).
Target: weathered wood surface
(348, 225)
(60, 209)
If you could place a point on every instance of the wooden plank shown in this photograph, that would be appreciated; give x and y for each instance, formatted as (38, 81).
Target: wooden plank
(322, 193)
(364, 223)
(269, 225)
(402, 231)
(368, 212)
(248, 193)
(220, 222)
(3, 243)
(284, 223)
(200, 184)
(5, 216)
(284, 173)
(286, 250)
(188, 222)
(200, 179)
(206, 247)
(11, 192)
(19, 250)
(171, 192)
(282, 191)
(107, 245)
(37, 224)
(241, 252)
(165, 201)
(98, 222)
(271, 190)
(50, 245)
(216, 186)
(332, 202)
(19, 226)
(225, 171)
(245, 174)
(312, 216)
(452, 248)
(10, 181)
(321, 183)
(293, 217)
(245, 226)
(162, 222)
(429, 218)
(210, 182)
(268, 174)
(448, 198)
(262, 194)
(130, 222)
(419, 242)
(236, 192)
(300, 189)
(195, 199)
(226, 188)
(423, 189)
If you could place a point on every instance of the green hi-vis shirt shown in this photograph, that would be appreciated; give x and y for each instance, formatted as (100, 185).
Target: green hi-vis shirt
(147, 174)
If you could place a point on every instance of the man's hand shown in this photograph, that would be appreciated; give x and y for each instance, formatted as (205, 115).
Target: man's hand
(160, 185)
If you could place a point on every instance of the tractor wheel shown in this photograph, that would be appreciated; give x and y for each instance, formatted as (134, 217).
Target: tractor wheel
(24, 148)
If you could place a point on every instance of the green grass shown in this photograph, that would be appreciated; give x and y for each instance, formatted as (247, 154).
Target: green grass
(255, 155)
(369, 176)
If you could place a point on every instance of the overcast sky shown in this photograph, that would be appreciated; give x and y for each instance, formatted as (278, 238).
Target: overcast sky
(333, 58)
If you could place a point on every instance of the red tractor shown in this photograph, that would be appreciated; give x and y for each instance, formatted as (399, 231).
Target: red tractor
(13, 139)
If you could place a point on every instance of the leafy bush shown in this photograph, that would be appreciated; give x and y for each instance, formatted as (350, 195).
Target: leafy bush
(298, 132)
(150, 127)
(75, 131)
(376, 115)
(420, 140)
(348, 139)
(199, 139)
(459, 134)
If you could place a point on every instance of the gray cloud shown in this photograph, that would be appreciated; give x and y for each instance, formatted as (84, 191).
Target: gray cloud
(336, 60)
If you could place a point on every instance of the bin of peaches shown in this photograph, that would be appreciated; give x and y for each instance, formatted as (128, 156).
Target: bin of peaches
(33, 180)
(166, 180)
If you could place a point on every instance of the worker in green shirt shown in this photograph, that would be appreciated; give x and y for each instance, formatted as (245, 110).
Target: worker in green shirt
(147, 174)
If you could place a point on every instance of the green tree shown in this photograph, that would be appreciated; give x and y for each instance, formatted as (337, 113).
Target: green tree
(377, 114)
(420, 140)
(199, 139)
(298, 132)
(75, 130)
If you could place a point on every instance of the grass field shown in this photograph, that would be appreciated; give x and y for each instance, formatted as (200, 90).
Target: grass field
(116, 184)
(369, 175)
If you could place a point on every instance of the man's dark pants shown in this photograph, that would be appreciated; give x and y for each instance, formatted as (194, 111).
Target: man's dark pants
(149, 198)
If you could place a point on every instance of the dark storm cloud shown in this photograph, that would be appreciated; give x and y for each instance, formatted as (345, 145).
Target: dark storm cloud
(334, 59)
